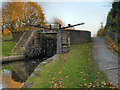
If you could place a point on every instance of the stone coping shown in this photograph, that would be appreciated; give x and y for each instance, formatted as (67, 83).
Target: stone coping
(42, 64)
(11, 58)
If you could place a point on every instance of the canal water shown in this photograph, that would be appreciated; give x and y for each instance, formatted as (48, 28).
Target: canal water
(16, 73)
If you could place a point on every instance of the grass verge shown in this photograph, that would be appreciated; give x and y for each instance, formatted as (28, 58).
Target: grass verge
(7, 37)
(78, 71)
(112, 45)
(7, 48)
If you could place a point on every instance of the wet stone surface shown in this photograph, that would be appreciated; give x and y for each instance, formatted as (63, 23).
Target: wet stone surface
(44, 62)
(37, 69)
(27, 84)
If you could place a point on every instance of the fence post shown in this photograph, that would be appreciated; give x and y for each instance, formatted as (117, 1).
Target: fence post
(59, 26)
(50, 27)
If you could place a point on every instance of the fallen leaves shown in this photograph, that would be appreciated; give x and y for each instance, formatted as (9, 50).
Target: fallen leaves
(89, 86)
(56, 83)
(51, 82)
(49, 75)
(85, 83)
(59, 71)
(84, 79)
(103, 82)
(80, 85)
(65, 56)
(90, 83)
(66, 77)
(96, 84)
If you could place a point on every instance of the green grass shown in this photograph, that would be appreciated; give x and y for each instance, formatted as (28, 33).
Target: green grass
(7, 48)
(0, 49)
(7, 37)
(109, 39)
(78, 71)
(7, 68)
(117, 51)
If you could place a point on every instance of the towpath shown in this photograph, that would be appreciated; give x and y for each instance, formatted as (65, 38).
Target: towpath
(106, 60)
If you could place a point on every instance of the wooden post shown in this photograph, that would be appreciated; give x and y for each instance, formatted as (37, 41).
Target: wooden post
(50, 27)
(69, 25)
(59, 26)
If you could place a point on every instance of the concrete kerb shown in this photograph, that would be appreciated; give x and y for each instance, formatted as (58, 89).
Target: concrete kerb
(38, 69)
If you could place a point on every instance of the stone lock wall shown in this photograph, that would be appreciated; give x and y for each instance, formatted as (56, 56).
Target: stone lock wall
(48, 43)
(77, 36)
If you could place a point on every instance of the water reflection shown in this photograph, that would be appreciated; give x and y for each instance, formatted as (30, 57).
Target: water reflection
(15, 74)
(0, 78)
(8, 82)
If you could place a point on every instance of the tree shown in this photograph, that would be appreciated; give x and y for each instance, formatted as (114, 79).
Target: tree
(15, 15)
(58, 22)
(100, 31)
(113, 19)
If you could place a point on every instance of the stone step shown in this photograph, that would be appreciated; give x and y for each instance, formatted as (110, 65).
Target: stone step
(64, 42)
(65, 46)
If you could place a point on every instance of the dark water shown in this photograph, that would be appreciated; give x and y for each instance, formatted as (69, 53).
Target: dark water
(16, 73)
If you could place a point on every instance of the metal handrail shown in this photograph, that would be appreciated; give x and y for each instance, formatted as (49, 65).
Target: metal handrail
(69, 25)
(19, 41)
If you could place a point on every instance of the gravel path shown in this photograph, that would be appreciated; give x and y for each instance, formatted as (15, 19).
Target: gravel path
(105, 59)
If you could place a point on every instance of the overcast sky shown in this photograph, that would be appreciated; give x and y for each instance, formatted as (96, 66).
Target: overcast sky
(91, 12)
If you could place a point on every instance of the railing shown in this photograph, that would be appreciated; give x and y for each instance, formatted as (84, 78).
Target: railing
(55, 29)
(19, 41)
(29, 42)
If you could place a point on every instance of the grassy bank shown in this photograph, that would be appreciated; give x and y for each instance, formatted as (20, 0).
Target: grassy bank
(112, 45)
(0, 49)
(77, 70)
(7, 46)
(7, 37)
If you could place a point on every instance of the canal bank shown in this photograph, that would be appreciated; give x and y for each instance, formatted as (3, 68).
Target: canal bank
(75, 69)
(39, 68)
(8, 59)
(15, 73)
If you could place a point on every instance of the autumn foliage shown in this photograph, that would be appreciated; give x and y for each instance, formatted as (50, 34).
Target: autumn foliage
(58, 21)
(7, 31)
(15, 15)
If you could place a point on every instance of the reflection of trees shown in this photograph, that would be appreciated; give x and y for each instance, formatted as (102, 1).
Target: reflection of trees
(18, 77)
(8, 82)
(21, 72)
